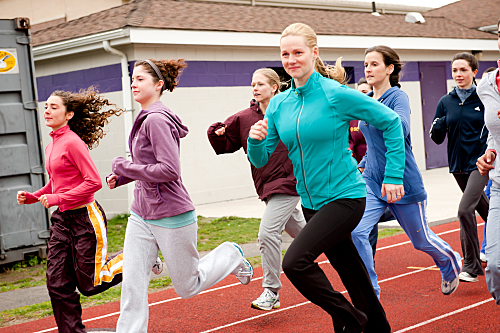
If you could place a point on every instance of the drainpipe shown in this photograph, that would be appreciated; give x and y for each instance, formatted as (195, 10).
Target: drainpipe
(127, 103)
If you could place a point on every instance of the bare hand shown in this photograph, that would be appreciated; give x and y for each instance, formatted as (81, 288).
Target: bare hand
(221, 131)
(43, 200)
(394, 192)
(361, 169)
(111, 180)
(485, 162)
(259, 130)
(21, 197)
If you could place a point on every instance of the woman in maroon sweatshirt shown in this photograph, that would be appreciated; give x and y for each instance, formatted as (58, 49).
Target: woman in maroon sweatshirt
(275, 183)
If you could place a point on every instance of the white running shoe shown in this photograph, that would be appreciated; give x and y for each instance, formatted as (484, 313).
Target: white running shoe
(482, 257)
(267, 301)
(245, 273)
(157, 267)
(449, 287)
(464, 276)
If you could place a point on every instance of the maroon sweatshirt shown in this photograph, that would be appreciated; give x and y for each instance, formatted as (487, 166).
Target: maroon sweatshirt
(277, 175)
(357, 141)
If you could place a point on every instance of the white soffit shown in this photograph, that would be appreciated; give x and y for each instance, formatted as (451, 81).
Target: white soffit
(129, 36)
(225, 38)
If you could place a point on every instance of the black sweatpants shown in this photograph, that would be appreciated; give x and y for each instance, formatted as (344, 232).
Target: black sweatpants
(474, 199)
(77, 258)
(328, 231)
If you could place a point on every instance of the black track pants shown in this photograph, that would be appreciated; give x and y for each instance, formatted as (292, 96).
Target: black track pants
(328, 231)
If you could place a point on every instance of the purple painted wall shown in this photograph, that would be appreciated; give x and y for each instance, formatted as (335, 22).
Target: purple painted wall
(202, 74)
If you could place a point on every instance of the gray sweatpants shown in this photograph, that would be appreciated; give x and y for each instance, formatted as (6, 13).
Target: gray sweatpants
(474, 199)
(492, 271)
(281, 214)
(189, 274)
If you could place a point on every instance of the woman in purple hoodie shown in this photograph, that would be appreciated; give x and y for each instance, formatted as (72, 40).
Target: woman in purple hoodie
(162, 214)
(274, 182)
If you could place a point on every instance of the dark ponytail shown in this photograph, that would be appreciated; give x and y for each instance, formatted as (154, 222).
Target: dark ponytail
(170, 69)
(390, 58)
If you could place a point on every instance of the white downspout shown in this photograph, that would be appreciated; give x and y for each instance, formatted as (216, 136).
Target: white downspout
(127, 104)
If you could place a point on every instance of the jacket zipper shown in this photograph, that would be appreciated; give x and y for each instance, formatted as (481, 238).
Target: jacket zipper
(301, 152)
(461, 109)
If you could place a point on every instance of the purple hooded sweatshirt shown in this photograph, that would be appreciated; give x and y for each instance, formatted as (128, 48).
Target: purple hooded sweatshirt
(156, 167)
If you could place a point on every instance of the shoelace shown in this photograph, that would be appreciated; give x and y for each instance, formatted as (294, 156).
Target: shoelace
(263, 297)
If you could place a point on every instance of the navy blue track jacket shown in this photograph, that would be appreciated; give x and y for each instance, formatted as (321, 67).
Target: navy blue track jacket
(464, 124)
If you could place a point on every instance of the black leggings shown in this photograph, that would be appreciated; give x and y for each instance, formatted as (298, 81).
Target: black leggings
(328, 231)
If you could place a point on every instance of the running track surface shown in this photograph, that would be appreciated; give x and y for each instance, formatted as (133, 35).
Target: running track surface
(411, 297)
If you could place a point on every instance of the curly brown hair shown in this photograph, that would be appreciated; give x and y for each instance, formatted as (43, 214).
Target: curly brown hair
(169, 68)
(88, 121)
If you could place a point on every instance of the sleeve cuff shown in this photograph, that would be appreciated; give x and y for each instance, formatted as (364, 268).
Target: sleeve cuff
(393, 180)
(52, 199)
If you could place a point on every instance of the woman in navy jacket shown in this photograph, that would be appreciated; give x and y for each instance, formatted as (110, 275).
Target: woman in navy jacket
(460, 115)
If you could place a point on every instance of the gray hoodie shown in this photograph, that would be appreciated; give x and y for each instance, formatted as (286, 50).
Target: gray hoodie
(156, 167)
(488, 93)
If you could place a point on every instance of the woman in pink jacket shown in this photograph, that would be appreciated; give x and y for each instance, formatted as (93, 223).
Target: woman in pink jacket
(77, 249)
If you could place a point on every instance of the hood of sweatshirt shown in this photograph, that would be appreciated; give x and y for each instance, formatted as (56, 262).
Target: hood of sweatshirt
(158, 107)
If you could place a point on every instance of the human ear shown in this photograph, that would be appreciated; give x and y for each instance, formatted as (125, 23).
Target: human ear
(390, 69)
(315, 52)
(69, 115)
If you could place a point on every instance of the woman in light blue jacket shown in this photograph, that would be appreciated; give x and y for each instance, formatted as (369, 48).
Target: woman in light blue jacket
(312, 120)
(382, 67)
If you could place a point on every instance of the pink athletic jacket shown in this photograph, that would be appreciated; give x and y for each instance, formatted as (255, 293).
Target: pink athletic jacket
(73, 176)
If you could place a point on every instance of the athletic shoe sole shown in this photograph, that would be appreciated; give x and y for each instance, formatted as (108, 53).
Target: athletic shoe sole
(266, 308)
(467, 278)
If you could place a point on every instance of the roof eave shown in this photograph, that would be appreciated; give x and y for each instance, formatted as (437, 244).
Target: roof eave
(135, 35)
(81, 44)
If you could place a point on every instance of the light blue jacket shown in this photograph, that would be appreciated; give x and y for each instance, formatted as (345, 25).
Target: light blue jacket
(313, 122)
(374, 159)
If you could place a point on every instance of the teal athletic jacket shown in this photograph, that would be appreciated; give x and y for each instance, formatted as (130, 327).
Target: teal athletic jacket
(313, 123)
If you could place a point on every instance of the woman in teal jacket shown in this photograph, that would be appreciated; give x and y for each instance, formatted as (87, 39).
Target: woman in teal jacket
(312, 120)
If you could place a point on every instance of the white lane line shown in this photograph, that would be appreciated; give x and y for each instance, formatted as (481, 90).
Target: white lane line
(255, 279)
(445, 315)
(408, 242)
(297, 305)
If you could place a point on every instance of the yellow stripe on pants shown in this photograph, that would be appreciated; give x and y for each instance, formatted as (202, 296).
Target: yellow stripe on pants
(104, 271)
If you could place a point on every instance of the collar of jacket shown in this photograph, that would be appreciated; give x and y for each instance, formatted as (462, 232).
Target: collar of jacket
(254, 105)
(308, 87)
(454, 93)
(60, 132)
(386, 94)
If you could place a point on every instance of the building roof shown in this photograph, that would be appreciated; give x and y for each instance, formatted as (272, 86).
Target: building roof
(195, 15)
(470, 13)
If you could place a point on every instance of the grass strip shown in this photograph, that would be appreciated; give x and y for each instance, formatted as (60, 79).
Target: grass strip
(44, 309)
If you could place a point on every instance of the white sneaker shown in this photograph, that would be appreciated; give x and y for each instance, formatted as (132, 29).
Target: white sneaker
(464, 276)
(267, 301)
(245, 273)
(157, 267)
(482, 257)
(449, 287)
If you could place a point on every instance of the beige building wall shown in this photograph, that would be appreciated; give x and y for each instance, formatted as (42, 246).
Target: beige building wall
(39, 11)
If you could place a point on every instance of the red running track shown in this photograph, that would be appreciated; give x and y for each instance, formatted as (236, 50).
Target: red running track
(411, 296)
